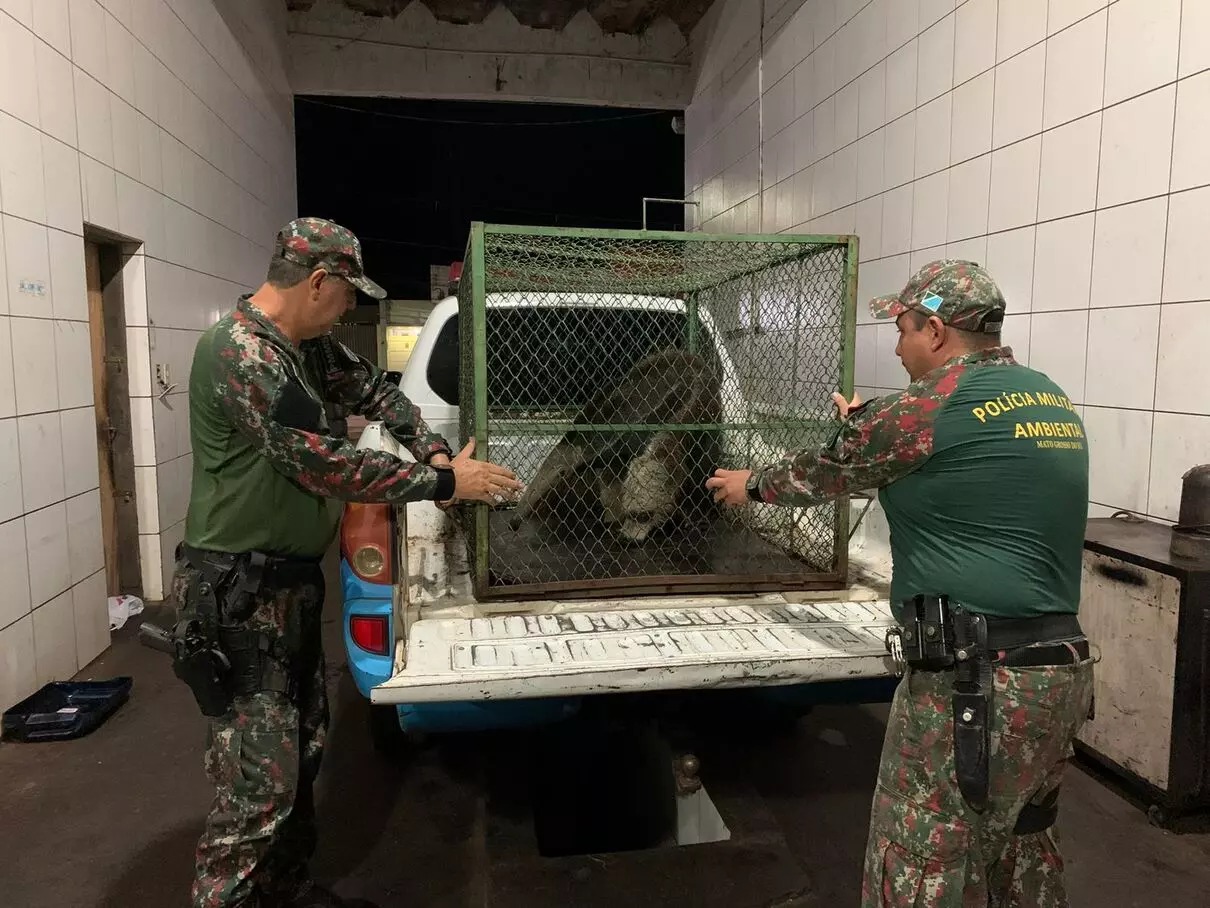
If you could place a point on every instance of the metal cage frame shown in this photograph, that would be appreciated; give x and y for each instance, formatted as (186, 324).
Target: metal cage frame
(475, 417)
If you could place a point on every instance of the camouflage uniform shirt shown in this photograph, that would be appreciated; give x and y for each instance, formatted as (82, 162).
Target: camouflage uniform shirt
(267, 476)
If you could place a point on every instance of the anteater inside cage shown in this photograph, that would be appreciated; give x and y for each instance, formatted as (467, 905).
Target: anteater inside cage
(644, 481)
(622, 494)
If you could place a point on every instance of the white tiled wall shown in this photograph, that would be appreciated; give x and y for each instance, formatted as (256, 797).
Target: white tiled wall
(1063, 143)
(167, 122)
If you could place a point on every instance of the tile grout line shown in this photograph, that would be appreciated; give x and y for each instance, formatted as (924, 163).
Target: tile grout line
(979, 75)
(139, 181)
(1191, 75)
(223, 69)
(1100, 112)
(891, 53)
(1045, 42)
(1185, 413)
(166, 195)
(75, 125)
(1096, 208)
(12, 366)
(1073, 216)
(158, 258)
(1159, 327)
(76, 66)
(948, 170)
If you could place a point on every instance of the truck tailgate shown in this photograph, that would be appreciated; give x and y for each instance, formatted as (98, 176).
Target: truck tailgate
(588, 652)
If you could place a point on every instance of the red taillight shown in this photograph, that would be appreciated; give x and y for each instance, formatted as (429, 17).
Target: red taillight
(365, 541)
(370, 633)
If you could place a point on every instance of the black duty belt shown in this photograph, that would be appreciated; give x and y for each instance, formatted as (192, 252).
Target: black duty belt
(1011, 633)
(1037, 641)
(261, 568)
(1016, 642)
(1067, 653)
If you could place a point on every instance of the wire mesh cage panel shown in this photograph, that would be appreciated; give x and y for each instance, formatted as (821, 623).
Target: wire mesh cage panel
(614, 371)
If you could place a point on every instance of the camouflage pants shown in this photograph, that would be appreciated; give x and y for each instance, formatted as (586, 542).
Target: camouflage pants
(928, 849)
(262, 757)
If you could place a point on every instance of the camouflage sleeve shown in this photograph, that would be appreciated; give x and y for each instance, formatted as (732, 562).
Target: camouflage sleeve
(880, 442)
(270, 406)
(358, 384)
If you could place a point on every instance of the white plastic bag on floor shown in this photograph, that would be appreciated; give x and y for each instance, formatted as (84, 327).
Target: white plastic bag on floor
(122, 608)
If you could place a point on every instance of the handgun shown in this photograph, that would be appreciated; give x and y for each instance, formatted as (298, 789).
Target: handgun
(157, 638)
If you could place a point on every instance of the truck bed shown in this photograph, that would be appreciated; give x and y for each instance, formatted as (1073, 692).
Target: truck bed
(529, 554)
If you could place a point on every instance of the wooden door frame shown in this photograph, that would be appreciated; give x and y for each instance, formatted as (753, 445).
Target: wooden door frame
(105, 258)
(100, 399)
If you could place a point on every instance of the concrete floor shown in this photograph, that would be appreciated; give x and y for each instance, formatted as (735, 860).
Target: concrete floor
(110, 820)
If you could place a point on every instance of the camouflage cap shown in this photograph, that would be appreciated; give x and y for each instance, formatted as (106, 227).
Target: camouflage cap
(962, 294)
(316, 243)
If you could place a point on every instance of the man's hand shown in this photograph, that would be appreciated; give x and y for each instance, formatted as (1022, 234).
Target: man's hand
(730, 486)
(846, 406)
(476, 480)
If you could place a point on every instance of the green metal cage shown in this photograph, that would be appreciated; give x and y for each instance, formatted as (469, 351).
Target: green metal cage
(613, 371)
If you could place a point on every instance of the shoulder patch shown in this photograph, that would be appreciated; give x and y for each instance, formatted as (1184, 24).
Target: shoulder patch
(294, 408)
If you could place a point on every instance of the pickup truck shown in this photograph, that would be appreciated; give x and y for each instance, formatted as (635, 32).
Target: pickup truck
(429, 656)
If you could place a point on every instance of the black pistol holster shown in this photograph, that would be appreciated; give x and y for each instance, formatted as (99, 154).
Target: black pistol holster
(200, 660)
(203, 667)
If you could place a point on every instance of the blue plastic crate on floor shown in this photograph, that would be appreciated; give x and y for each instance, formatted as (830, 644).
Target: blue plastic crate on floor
(62, 710)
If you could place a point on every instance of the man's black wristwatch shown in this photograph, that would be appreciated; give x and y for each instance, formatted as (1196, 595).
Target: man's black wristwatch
(445, 483)
(753, 487)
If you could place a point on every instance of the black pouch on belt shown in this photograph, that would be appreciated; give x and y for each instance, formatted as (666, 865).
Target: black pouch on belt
(972, 699)
(240, 600)
(256, 665)
(927, 636)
